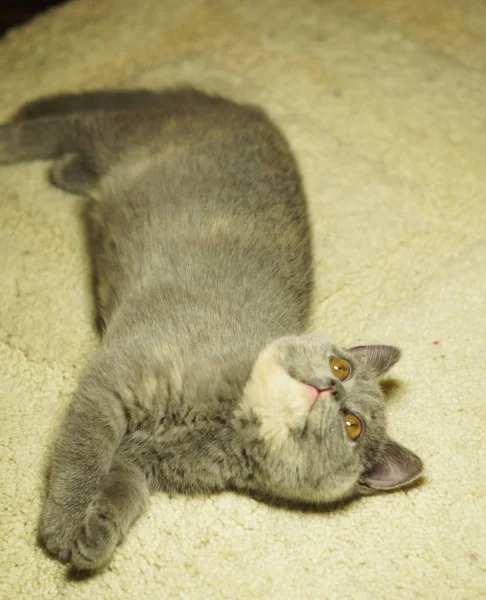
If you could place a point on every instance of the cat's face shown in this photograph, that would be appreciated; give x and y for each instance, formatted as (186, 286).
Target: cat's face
(321, 420)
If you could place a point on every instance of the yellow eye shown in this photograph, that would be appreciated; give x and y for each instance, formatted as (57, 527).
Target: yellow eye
(340, 368)
(353, 425)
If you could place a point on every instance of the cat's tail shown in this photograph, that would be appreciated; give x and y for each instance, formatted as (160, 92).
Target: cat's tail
(100, 100)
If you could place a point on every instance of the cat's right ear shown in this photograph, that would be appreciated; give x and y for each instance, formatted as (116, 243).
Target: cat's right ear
(378, 358)
(396, 468)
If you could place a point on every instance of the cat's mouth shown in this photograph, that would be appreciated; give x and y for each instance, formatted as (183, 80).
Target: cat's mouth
(317, 393)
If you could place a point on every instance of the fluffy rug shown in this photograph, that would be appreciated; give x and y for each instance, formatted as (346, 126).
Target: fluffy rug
(383, 102)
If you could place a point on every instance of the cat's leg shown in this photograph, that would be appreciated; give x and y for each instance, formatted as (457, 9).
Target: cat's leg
(169, 101)
(86, 146)
(100, 139)
(108, 100)
(92, 431)
(32, 140)
(121, 497)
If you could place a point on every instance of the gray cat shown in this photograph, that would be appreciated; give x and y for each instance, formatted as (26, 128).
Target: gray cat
(204, 380)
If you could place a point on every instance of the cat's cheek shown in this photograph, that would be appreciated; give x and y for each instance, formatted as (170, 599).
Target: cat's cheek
(330, 491)
(347, 489)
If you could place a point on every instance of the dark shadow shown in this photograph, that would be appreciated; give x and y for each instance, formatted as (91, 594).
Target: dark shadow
(302, 507)
(393, 389)
(16, 12)
(73, 575)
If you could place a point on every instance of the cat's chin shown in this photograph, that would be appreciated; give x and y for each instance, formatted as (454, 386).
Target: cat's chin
(279, 402)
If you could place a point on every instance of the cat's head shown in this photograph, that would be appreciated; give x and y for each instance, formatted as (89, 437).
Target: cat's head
(319, 414)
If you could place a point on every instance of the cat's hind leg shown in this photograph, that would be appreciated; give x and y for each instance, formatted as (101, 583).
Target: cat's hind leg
(86, 145)
(32, 140)
(101, 139)
(121, 497)
(98, 100)
(72, 141)
(169, 101)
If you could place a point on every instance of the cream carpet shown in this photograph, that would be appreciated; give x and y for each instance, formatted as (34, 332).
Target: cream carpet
(384, 102)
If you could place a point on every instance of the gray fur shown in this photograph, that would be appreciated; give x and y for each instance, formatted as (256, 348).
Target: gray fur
(202, 253)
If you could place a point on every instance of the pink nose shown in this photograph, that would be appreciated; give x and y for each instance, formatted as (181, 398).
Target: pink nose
(317, 393)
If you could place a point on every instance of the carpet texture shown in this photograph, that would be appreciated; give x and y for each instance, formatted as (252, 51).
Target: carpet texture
(384, 104)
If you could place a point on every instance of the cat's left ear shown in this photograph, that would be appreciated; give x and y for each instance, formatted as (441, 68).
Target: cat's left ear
(379, 358)
(396, 468)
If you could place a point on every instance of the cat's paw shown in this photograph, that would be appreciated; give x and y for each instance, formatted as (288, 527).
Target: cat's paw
(59, 529)
(70, 174)
(95, 544)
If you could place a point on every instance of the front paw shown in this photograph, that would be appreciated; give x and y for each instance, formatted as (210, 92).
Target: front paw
(59, 528)
(96, 542)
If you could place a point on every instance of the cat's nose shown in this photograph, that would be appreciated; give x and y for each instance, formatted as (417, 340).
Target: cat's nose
(327, 383)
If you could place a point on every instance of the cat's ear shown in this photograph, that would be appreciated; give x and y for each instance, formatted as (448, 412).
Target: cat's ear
(396, 468)
(378, 358)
